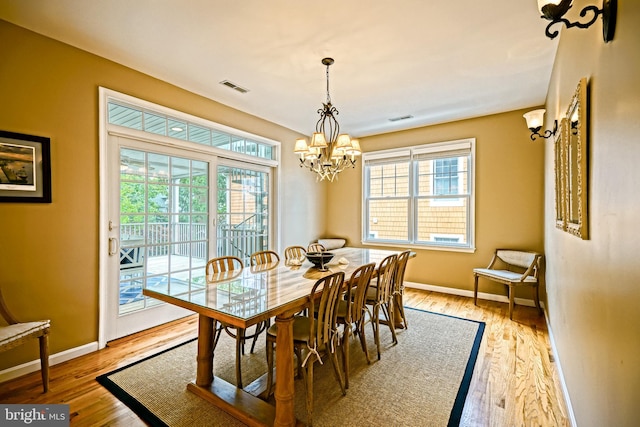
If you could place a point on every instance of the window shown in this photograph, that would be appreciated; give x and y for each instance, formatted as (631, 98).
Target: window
(139, 118)
(420, 195)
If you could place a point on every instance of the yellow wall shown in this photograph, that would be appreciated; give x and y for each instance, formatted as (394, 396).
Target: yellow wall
(509, 197)
(593, 286)
(49, 252)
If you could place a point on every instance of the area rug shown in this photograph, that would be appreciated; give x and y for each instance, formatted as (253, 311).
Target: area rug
(421, 381)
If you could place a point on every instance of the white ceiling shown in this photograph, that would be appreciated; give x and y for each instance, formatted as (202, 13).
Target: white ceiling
(437, 61)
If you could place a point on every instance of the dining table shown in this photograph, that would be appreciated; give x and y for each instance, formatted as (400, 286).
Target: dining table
(246, 297)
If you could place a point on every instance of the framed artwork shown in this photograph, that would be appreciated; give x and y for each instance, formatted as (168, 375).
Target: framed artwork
(25, 168)
(560, 174)
(576, 163)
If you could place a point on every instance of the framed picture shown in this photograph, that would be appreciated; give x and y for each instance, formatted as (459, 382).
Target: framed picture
(25, 168)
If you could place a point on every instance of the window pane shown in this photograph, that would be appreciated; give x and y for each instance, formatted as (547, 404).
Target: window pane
(199, 134)
(389, 180)
(444, 176)
(177, 129)
(155, 124)
(388, 219)
(442, 224)
(125, 116)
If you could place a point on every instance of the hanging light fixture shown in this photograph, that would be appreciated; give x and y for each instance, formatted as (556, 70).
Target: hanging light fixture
(330, 152)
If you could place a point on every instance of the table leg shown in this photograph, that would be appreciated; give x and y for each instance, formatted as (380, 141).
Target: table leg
(284, 392)
(204, 372)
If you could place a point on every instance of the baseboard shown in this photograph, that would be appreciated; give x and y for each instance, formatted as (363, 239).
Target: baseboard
(565, 390)
(468, 293)
(54, 359)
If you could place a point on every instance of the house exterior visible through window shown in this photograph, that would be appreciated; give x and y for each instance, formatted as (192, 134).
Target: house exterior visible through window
(420, 195)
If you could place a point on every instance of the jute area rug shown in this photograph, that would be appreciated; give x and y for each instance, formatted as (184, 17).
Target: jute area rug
(421, 381)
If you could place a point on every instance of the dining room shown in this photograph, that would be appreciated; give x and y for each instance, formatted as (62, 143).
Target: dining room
(134, 211)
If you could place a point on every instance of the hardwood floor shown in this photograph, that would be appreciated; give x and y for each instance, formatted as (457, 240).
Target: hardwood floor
(515, 381)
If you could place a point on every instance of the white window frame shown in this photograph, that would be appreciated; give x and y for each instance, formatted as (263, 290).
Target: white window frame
(412, 155)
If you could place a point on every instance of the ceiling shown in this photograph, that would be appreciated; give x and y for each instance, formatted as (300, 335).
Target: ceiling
(435, 61)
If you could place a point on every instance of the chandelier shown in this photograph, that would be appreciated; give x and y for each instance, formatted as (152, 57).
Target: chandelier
(330, 151)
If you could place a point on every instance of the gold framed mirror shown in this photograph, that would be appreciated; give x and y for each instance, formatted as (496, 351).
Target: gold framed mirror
(575, 158)
(560, 175)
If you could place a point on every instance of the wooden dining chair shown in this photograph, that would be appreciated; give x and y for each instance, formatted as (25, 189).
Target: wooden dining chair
(221, 265)
(316, 247)
(263, 257)
(314, 335)
(380, 298)
(294, 252)
(397, 287)
(16, 333)
(351, 313)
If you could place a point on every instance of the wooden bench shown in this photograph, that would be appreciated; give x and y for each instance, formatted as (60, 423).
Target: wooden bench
(512, 268)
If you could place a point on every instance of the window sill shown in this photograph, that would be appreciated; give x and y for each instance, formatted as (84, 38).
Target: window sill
(420, 247)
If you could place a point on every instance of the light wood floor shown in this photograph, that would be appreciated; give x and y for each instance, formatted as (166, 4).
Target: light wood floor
(515, 381)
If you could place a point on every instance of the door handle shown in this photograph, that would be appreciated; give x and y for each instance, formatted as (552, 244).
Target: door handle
(113, 246)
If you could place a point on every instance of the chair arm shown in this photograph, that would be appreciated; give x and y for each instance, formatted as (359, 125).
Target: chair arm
(533, 269)
(493, 260)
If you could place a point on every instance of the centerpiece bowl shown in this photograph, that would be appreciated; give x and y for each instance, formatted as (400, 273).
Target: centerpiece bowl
(319, 259)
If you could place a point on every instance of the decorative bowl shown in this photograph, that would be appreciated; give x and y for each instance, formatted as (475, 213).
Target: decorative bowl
(319, 258)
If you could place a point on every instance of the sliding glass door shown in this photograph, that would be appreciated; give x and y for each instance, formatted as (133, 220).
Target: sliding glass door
(159, 230)
(243, 219)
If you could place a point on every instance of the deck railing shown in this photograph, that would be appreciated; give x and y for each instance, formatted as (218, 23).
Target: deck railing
(191, 239)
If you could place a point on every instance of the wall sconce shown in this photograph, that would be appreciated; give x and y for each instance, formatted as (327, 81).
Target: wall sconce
(535, 119)
(554, 10)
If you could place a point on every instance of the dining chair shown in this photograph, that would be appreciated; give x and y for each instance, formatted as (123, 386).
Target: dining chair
(263, 257)
(294, 252)
(380, 298)
(397, 287)
(16, 333)
(316, 247)
(221, 265)
(351, 312)
(313, 335)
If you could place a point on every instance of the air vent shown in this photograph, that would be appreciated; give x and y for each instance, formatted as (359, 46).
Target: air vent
(396, 119)
(234, 86)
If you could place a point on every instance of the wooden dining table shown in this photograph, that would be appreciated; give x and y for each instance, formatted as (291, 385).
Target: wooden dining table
(243, 298)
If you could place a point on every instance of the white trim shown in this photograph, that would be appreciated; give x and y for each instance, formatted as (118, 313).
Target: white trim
(54, 359)
(468, 293)
(563, 384)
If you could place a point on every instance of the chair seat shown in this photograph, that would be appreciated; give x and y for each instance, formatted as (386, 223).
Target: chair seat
(503, 275)
(301, 329)
(371, 292)
(13, 335)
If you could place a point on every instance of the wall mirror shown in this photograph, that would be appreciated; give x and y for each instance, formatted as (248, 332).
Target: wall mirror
(575, 158)
(559, 170)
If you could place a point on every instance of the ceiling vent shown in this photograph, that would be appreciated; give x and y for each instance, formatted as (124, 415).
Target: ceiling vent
(234, 86)
(397, 119)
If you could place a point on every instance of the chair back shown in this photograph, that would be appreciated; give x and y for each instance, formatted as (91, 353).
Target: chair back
(294, 252)
(316, 247)
(324, 324)
(357, 291)
(222, 264)
(398, 274)
(264, 257)
(386, 270)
